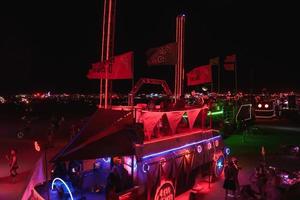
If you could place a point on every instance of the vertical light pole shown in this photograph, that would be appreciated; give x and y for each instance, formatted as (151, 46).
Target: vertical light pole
(179, 67)
(107, 46)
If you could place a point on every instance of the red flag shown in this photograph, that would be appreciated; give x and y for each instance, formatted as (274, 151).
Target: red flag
(121, 68)
(229, 66)
(230, 62)
(163, 55)
(199, 75)
(230, 59)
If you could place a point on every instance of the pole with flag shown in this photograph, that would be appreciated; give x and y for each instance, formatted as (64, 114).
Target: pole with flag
(180, 32)
(216, 62)
(230, 65)
(107, 46)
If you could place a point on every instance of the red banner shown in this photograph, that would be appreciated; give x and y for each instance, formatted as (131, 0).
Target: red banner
(230, 62)
(120, 67)
(199, 75)
(163, 55)
(229, 66)
(230, 59)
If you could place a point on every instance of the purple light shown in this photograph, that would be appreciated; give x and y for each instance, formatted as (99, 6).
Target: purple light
(199, 148)
(146, 167)
(227, 151)
(181, 147)
(107, 160)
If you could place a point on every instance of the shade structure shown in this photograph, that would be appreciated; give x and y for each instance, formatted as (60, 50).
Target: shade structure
(108, 133)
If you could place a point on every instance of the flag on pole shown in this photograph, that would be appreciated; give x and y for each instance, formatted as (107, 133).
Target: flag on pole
(230, 59)
(97, 70)
(230, 62)
(229, 66)
(163, 55)
(214, 61)
(199, 75)
(121, 68)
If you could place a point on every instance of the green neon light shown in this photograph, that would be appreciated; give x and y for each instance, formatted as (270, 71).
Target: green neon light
(215, 113)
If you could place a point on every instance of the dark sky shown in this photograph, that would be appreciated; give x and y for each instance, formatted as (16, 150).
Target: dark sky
(49, 45)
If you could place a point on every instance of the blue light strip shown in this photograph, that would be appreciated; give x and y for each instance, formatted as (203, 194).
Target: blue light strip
(181, 147)
(59, 179)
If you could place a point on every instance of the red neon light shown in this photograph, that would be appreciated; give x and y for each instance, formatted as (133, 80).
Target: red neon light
(37, 146)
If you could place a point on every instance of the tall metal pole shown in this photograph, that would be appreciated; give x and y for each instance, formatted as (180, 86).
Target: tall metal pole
(103, 48)
(179, 67)
(176, 66)
(235, 75)
(107, 50)
(107, 54)
(219, 73)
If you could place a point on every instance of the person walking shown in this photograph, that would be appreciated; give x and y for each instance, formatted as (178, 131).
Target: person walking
(229, 182)
(237, 169)
(13, 164)
(261, 177)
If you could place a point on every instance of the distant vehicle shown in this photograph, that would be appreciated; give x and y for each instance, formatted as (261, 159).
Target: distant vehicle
(265, 109)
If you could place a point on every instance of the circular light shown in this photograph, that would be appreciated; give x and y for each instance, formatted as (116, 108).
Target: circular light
(259, 105)
(146, 168)
(266, 105)
(209, 146)
(217, 143)
(199, 148)
(227, 151)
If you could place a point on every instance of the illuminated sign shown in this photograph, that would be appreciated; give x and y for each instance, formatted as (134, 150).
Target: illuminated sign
(165, 191)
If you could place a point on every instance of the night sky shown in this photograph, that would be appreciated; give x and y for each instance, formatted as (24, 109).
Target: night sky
(50, 45)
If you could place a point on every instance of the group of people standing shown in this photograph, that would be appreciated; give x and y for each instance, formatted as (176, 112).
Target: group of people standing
(264, 180)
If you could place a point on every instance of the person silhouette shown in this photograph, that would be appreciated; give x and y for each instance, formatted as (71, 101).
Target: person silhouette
(13, 164)
(230, 181)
